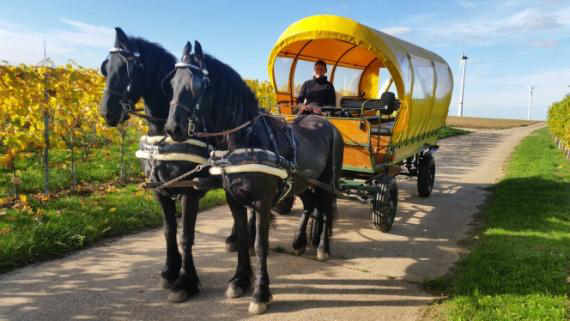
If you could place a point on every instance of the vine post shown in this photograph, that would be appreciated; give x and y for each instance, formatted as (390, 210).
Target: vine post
(47, 63)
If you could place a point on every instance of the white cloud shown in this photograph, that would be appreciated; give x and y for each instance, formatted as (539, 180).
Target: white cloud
(545, 43)
(18, 44)
(86, 34)
(500, 22)
(507, 96)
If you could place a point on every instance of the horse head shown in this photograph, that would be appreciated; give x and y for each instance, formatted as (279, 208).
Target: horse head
(123, 70)
(191, 98)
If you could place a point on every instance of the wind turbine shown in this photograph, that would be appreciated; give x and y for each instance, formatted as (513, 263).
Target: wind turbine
(462, 65)
(530, 91)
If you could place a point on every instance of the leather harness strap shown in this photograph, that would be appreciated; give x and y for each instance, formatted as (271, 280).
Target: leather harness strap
(226, 132)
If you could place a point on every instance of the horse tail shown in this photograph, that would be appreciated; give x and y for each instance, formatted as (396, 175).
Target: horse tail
(335, 164)
(337, 151)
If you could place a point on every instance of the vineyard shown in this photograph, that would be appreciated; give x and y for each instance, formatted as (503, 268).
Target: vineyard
(91, 191)
(559, 123)
(77, 141)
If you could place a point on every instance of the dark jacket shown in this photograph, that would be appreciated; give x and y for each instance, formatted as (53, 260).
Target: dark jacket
(317, 91)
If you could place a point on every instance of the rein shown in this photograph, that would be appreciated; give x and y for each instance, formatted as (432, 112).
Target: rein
(132, 62)
(130, 109)
(229, 131)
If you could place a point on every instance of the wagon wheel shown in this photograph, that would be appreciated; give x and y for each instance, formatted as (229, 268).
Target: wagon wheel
(285, 206)
(385, 204)
(426, 175)
(315, 228)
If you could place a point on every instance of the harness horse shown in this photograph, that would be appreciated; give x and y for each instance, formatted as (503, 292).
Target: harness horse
(134, 69)
(258, 157)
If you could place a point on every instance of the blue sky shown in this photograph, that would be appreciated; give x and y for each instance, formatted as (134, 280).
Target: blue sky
(510, 44)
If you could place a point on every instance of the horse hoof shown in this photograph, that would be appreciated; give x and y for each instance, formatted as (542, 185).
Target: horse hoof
(231, 247)
(322, 255)
(232, 292)
(299, 252)
(257, 308)
(178, 296)
(164, 283)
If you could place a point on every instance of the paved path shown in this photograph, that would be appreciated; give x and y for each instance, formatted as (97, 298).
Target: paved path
(370, 276)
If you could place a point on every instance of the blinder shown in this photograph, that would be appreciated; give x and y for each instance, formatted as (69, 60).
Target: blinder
(198, 85)
(104, 67)
(134, 66)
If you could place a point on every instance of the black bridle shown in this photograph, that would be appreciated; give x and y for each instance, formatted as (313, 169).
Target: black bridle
(198, 88)
(134, 65)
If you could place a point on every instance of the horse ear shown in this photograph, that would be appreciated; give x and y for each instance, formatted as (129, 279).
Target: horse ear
(121, 39)
(198, 54)
(186, 52)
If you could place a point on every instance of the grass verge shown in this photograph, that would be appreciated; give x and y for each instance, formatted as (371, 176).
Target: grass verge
(518, 270)
(38, 230)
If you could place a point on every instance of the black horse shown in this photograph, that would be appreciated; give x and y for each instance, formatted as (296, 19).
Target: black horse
(137, 68)
(211, 99)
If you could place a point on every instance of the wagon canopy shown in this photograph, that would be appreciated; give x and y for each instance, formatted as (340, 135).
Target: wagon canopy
(360, 59)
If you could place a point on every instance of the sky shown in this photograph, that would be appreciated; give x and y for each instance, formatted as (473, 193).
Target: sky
(510, 44)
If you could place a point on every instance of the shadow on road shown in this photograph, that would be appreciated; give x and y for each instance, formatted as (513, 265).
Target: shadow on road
(367, 269)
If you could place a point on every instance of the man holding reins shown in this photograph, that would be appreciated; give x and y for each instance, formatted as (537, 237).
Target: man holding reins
(316, 92)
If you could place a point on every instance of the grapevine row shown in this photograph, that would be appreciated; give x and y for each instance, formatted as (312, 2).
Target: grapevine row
(559, 123)
(71, 96)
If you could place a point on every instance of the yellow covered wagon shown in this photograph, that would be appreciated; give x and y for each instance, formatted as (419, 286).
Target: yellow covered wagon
(392, 98)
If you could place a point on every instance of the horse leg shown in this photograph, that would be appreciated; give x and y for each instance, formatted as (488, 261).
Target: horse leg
(187, 283)
(261, 295)
(300, 239)
(251, 229)
(325, 201)
(171, 268)
(241, 281)
(232, 240)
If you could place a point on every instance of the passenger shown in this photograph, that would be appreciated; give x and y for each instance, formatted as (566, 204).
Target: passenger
(316, 92)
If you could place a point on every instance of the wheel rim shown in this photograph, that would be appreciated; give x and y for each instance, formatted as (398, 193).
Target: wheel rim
(431, 178)
(384, 213)
(392, 208)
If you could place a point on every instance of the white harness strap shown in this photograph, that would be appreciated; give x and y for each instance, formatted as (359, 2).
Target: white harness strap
(249, 168)
(171, 157)
(244, 168)
(156, 139)
(222, 153)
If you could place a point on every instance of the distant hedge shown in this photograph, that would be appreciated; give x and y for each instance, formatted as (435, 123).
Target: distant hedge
(559, 123)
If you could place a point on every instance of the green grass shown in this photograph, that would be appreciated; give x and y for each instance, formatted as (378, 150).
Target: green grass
(100, 165)
(518, 270)
(43, 230)
(446, 132)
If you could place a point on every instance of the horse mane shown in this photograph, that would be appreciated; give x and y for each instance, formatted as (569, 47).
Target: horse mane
(152, 47)
(152, 51)
(158, 65)
(233, 101)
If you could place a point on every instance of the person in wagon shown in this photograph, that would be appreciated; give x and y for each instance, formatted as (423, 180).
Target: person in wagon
(316, 92)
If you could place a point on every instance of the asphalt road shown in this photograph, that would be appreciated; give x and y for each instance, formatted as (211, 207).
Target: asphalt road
(370, 275)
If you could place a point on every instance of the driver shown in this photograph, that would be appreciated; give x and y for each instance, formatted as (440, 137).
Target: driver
(317, 92)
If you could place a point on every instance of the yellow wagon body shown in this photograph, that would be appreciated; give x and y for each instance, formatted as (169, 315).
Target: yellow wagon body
(364, 63)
